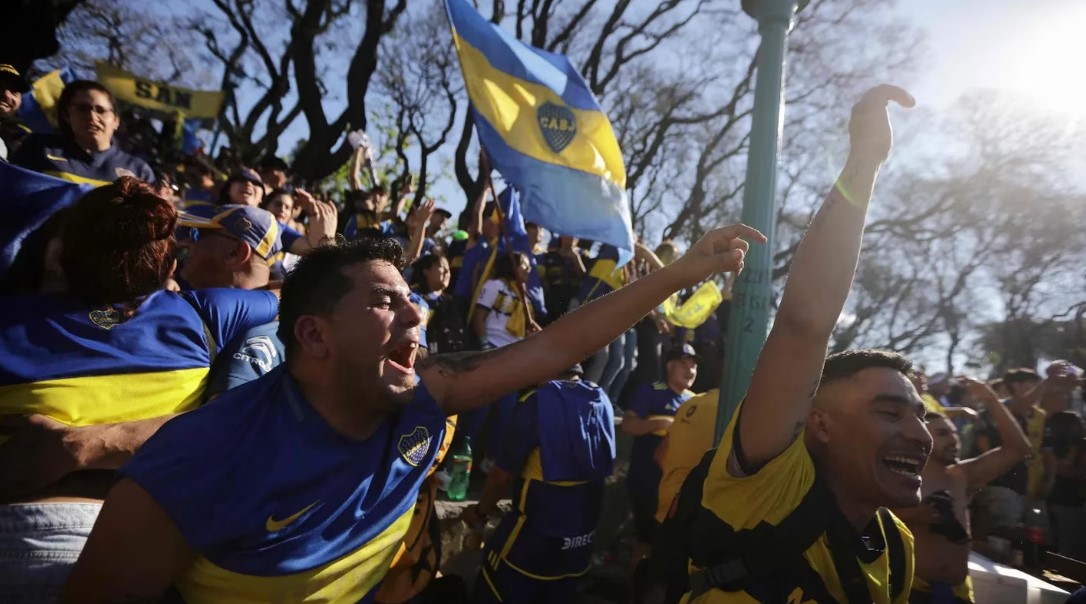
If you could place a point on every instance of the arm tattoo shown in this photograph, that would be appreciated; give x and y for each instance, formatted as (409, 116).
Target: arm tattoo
(455, 363)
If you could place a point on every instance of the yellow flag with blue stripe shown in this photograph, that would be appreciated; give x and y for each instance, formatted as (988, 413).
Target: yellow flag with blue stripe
(544, 132)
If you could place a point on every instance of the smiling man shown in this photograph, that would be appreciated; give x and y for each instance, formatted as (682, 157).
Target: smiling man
(942, 525)
(12, 130)
(83, 150)
(791, 506)
(299, 486)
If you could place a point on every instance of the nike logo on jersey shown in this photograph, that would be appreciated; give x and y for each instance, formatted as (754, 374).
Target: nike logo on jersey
(274, 526)
(55, 158)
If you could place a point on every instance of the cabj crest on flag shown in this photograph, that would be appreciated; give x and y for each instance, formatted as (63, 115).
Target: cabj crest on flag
(544, 132)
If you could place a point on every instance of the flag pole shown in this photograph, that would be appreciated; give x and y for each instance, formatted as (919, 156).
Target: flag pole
(749, 319)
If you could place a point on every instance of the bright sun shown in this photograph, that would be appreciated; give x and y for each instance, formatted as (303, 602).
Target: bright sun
(1043, 60)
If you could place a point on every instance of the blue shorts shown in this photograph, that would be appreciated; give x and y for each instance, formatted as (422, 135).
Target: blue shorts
(39, 544)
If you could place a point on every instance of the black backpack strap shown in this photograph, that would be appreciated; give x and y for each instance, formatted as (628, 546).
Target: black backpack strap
(742, 558)
(895, 549)
(853, 580)
(841, 540)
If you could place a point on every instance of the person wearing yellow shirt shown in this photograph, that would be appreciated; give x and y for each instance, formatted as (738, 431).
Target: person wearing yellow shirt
(829, 441)
(687, 440)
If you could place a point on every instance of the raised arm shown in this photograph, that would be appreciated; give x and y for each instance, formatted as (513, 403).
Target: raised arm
(323, 219)
(778, 401)
(567, 250)
(355, 171)
(416, 224)
(643, 253)
(475, 225)
(1015, 446)
(465, 381)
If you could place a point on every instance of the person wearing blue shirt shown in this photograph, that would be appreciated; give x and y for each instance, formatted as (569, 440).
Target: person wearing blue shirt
(83, 151)
(300, 485)
(89, 372)
(647, 418)
(557, 452)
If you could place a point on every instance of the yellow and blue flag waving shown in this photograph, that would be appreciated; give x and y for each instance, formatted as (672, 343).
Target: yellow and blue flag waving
(39, 111)
(544, 131)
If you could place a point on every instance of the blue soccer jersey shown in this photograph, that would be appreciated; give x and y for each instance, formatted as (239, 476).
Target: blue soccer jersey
(85, 366)
(650, 402)
(276, 504)
(561, 445)
(60, 156)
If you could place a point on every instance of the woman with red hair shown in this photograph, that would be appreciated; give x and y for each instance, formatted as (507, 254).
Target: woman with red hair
(88, 374)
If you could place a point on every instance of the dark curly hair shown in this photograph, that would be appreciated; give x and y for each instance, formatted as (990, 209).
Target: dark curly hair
(118, 243)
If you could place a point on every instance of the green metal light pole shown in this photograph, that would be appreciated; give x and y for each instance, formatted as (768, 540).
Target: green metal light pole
(749, 320)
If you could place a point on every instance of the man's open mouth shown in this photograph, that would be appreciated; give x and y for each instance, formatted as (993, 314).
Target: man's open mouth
(906, 465)
(403, 356)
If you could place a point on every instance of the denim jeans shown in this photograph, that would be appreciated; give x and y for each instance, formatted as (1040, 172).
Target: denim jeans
(629, 354)
(39, 544)
(616, 361)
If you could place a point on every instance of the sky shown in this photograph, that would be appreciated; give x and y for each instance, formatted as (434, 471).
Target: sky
(1028, 48)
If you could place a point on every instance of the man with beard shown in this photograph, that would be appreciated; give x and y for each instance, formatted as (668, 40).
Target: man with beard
(300, 485)
(941, 525)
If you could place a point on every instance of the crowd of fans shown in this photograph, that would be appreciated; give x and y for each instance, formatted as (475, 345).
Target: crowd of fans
(261, 385)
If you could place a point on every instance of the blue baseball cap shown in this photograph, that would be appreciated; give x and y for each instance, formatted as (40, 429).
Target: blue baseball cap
(254, 226)
(681, 352)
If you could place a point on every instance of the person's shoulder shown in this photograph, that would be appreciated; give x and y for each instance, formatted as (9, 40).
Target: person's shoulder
(261, 336)
(227, 296)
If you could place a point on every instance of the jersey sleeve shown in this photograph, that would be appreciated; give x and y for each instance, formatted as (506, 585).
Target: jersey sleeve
(231, 312)
(288, 236)
(246, 358)
(769, 494)
(641, 401)
(489, 295)
(521, 436)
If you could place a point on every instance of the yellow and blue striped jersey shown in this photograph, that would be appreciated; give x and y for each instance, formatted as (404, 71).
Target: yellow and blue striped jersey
(58, 155)
(766, 498)
(276, 504)
(85, 366)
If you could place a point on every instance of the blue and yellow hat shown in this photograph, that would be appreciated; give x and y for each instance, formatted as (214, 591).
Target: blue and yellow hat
(11, 79)
(252, 225)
